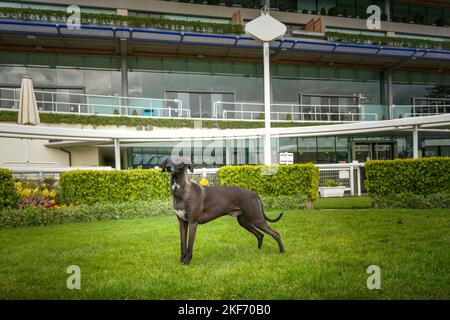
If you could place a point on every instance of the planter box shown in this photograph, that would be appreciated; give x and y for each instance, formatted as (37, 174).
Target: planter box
(329, 192)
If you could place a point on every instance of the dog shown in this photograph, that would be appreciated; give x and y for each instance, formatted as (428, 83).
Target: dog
(196, 204)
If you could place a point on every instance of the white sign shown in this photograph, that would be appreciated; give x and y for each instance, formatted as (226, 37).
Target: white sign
(286, 158)
(344, 174)
(265, 28)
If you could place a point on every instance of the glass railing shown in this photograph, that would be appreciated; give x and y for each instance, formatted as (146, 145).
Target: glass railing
(89, 104)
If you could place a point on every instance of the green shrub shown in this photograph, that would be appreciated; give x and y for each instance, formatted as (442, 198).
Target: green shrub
(35, 216)
(387, 41)
(331, 183)
(284, 202)
(409, 200)
(11, 116)
(38, 216)
(119, 20)
(8, 196)
(87, 187)
(287, 179)
(419, 176)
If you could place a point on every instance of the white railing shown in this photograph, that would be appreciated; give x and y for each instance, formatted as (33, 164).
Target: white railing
(292, 112)
(408, 111)
(88, 104)
(28, 164)
(300, 116)
(345, 174)
(26, 172)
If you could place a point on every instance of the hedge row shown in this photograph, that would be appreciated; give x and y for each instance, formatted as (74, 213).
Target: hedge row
(8, 196)
(88, 186)
(274, 181)
(121, 21)
(409, 200)
(36, 216)
(419, 176)
(94, 120)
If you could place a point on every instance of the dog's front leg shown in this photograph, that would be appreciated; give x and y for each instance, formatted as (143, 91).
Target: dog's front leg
(192, 230)
(183, 236)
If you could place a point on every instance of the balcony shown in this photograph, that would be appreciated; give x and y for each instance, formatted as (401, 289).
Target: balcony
(65, 103)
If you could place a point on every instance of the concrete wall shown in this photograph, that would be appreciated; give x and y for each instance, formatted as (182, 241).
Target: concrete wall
(16, 150)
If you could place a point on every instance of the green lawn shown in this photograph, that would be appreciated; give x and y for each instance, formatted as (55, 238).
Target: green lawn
(327, 253)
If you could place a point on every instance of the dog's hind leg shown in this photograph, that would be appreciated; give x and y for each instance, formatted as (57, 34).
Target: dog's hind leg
(246, 225)
(264, 227)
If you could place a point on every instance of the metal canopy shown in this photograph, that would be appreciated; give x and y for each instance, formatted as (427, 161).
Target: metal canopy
(97, 136)
(241, 46)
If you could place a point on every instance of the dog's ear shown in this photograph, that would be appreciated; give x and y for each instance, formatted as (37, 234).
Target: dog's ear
(188, 164)
(164, 169)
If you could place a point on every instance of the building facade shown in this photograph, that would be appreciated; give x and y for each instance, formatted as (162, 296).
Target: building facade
(188, 63)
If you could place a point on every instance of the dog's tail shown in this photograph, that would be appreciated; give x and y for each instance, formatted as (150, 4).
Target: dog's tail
(266, 217)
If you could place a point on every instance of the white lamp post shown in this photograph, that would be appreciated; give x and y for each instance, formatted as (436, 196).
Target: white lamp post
(266, 29)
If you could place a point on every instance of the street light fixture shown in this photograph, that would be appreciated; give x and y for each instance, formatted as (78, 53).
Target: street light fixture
(265, 29)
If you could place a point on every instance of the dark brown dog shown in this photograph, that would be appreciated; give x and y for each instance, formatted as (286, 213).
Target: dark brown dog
(196, 204)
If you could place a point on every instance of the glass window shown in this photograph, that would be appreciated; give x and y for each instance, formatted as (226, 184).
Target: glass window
(307, 148)
(347, 7)
(288, 145)
(326, 152)
(221, 67)
(361, 8)
(342, 146)
(327, 4)
(433, 14)
(400, 12)
(309, 5)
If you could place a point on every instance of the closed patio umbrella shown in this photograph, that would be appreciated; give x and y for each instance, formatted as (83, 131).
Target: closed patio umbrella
(28, 111)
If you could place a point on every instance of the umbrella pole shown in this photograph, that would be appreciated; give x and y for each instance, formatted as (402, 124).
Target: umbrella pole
(28, 152)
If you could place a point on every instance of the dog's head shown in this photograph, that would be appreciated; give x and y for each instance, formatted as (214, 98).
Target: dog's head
(177, 165)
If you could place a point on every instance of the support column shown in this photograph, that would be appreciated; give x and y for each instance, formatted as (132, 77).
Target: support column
(117, 153)
(389, 94)
(415, 142)
(124, 73)
(267, 100)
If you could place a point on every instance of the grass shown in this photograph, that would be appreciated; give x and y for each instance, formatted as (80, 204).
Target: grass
(344, 203)
(327, 253)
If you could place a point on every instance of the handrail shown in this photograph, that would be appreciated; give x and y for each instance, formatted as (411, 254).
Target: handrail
(306, 116)
(89, 108)
(292, 107)
(420, 110)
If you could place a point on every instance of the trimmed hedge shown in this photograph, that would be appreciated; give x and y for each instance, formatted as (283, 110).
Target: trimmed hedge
(287, 179)
(419, 176)
(88, 186)
(410, 200)
(36, 216)
(8, 196)
(94, 120)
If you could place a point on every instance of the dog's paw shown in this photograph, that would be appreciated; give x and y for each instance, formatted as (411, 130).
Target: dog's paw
(186, 260)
